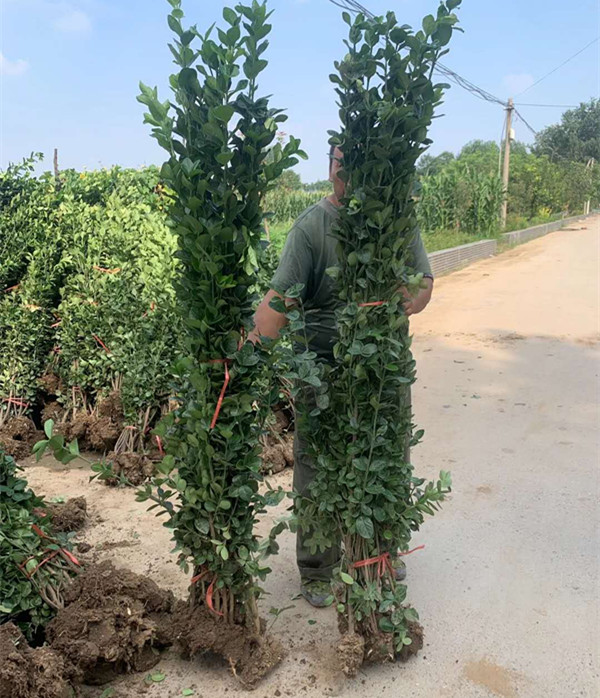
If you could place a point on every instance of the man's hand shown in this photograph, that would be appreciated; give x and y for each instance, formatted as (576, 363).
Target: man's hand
(267, 321)
(415, 304)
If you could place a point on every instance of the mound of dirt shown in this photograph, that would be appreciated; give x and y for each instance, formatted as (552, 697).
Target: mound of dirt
(354, 649)
(77, 428)
(27, 672)
(351, 652)
(136, 467)
(52, 410)
(250, 656)
(50, 384)
(278, 453)
(102, 433)
(17, 437)
(415, 632)
(113, 622)
(110, 406)
(68, 516)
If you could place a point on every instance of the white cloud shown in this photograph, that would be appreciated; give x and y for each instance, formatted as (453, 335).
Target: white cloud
(17, 67)
(518, 82)
(74, 22)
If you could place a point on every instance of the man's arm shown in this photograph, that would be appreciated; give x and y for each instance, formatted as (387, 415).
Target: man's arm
(267, 321)
(415, 304)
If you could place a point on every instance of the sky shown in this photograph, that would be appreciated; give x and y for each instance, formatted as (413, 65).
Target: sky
(69, 71)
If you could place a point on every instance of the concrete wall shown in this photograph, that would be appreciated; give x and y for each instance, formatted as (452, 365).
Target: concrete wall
(444, 261)
(516, 237)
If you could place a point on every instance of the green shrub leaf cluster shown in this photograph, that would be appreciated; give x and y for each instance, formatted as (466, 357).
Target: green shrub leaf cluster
(224, 156)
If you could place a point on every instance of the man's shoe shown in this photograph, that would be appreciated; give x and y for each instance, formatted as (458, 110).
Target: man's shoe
(399, 568)
(317, 592)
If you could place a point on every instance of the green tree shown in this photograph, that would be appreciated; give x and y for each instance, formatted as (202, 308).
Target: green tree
(290, 180)
(576, 137)
(433, 164)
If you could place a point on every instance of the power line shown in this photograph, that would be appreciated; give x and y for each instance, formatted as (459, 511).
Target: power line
(529, 126)
(479, 92)
(562, 106)
(537, 82)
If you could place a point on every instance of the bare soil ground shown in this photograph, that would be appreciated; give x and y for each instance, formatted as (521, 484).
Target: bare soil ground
(507, 586)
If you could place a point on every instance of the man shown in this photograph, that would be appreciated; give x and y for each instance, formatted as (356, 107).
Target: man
(309, 251)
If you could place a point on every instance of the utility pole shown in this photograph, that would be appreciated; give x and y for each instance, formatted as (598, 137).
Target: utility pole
(505, 169)
(589, 166)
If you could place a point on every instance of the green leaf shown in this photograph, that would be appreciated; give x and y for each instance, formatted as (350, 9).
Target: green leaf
(48, 427)
(364, 527)
(108, 692)
(223, 113)
(443, 34)
(346, 578)
(231, 18)
(157, 677)
(189, 691)
(429, 24)
(224, 158)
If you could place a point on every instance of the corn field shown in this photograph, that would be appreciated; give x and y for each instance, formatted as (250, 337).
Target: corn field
(457, 198)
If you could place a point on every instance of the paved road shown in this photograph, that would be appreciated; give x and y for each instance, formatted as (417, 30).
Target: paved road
(507, 586)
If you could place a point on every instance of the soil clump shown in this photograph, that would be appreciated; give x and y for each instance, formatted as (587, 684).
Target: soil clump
(113, 623)
(26, 672)
(250, 656)
(68, 516)
(278, 453)
(17, 437)
(136, 468)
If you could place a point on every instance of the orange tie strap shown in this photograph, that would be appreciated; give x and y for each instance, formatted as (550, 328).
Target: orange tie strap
(383, 561)
(159, 444)
(372, 304)
(225, 362)
(108, 271)
(101, 343)
(198, 577)
(209, 597)
(16, 401)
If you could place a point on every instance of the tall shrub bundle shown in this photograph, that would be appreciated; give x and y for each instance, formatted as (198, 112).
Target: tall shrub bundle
(365, 491)
(218, 131)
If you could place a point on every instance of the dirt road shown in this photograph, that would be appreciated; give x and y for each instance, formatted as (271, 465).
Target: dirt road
(507, 586)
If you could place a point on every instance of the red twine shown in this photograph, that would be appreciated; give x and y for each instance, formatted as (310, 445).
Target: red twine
(209, 591)
(16, 401)
(101, 343)
(223, 389)
(198, 577)
(372, 304)
(12, 288)
(383, 561)
(159, 444)
(107, 271)
(56, 324)
(36, 529)
(209, 597)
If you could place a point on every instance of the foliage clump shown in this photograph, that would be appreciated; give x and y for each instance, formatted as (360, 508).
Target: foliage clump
(35, 563)
(220, 135)
(365, 491)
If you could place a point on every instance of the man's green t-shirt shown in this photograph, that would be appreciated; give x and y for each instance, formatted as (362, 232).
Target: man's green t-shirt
(309, 251)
